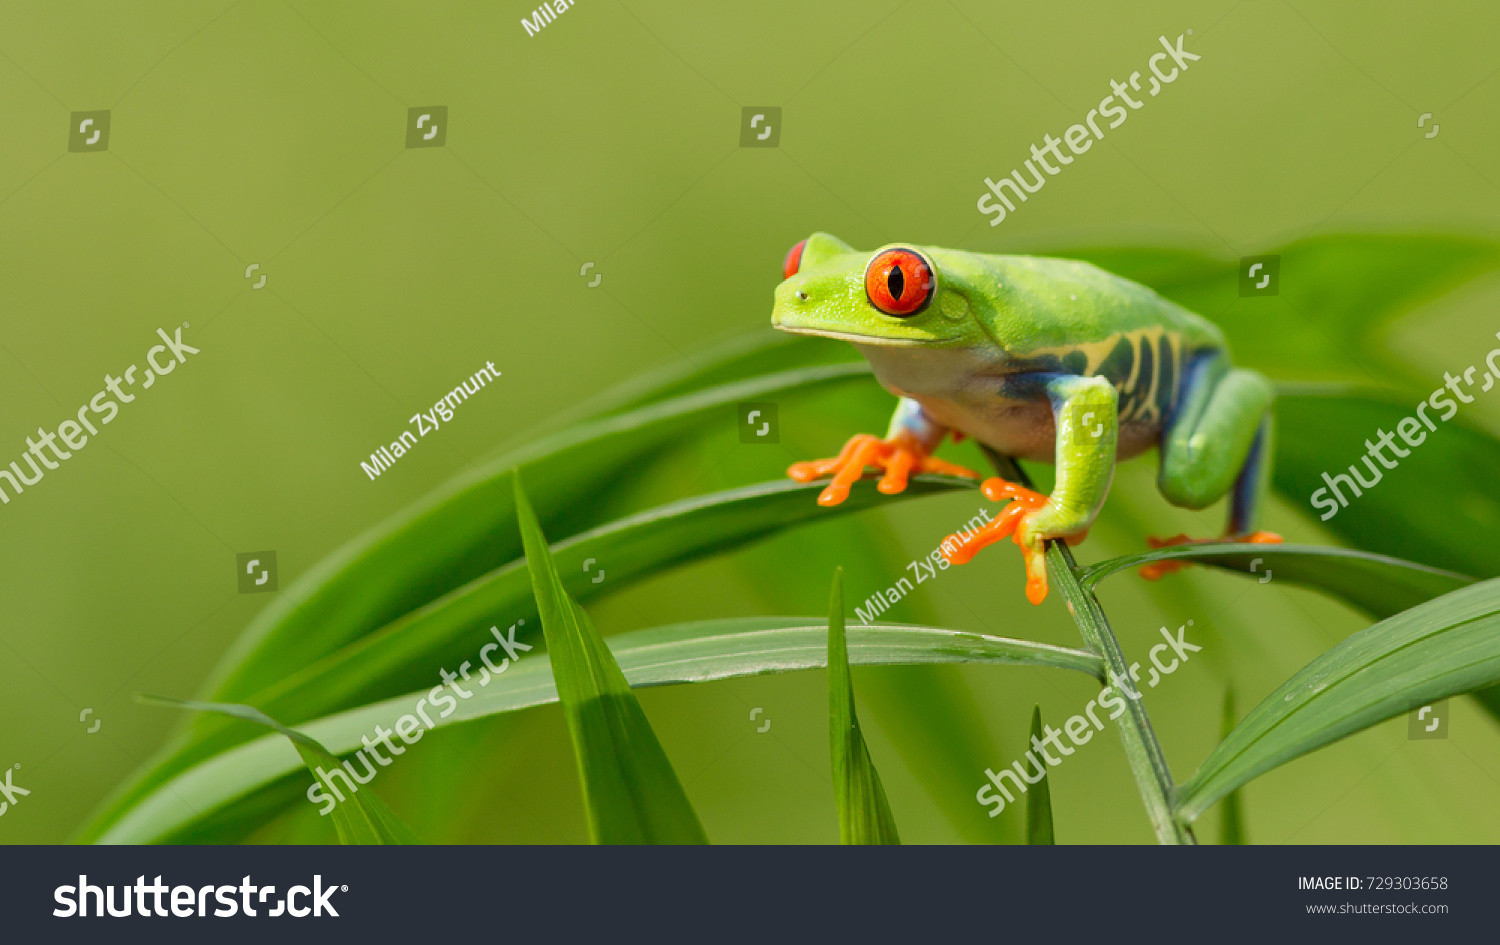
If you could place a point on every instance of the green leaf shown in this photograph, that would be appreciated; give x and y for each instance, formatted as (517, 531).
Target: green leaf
(403, 654)
(1440, 505)
(864, 813)
(467, 528)
(1039, 795)
(462, 531)
(1378, 584)
(1232, 824)
(363, 818)
(630, 792)
(738, 358)
(700, 651)
(450, 538)
(408, 651)
(1438, 649)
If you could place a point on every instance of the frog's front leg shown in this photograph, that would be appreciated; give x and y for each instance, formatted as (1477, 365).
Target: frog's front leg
(1084, 409)
(907, 447)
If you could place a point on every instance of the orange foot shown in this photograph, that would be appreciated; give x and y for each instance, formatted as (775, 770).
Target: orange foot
(897, 457)
(959, 549)
(1159, 569)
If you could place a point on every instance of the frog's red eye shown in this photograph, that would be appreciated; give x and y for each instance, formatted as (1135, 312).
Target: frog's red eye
(793, 261)
(899, 282)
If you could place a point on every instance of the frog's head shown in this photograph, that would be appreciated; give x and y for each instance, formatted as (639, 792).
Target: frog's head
(898, 296)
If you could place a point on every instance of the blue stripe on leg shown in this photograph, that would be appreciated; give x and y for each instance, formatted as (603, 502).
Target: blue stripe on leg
(1246, 493)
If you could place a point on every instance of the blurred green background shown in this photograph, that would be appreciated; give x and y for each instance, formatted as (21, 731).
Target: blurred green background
(273, 133)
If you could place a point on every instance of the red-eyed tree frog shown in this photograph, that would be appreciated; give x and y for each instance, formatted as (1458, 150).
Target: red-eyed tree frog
(1039, 359)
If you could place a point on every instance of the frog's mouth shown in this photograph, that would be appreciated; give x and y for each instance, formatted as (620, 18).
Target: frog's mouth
(867, 339)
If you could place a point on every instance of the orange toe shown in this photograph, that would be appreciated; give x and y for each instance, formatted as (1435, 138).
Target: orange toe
(960, 549)
(998, 490)
(1036, 574)
(897, 457)
(1156, 570)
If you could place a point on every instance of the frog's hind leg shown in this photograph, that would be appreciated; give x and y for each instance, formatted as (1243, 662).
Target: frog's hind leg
(1250, 485)
(1219, 442)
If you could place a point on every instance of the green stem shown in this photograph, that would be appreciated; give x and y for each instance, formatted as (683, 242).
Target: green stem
(1142, 751)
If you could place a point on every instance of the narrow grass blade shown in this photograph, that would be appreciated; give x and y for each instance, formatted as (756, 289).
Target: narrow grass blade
(1438, 649)
(864, 813)
(630, 792)
(363, 818)
(1039, 795)
(1232, 826)
(1379, 585)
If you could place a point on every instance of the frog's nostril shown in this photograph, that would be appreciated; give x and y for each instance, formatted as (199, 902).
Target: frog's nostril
(801, 296)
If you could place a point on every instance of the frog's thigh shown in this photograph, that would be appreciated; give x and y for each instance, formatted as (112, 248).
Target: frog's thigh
(1212, 435)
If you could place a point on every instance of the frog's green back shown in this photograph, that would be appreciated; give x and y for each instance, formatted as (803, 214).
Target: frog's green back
(1074, 318)
(1039, 303)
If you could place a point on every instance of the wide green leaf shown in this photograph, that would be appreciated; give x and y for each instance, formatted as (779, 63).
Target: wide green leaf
(456, 535)
(864, 813)
(466, 529)
(631, 794)
(1378, 584)
(1440, 505)
(1435, 650)
(403, 654)
(696, 652)
(742, 357)
(362, 818)
(411, 648)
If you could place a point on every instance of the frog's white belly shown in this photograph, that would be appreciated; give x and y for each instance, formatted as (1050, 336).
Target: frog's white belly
(960, 389)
